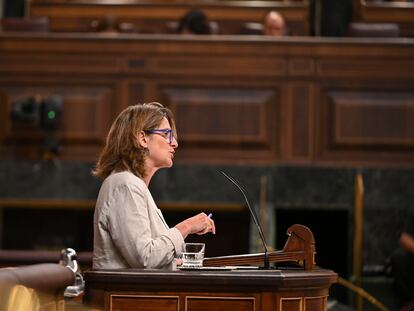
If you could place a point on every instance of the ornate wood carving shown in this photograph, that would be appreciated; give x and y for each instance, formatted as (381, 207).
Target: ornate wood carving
(300, 246)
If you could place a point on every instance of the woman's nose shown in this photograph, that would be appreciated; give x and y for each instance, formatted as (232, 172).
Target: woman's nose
(174, 143)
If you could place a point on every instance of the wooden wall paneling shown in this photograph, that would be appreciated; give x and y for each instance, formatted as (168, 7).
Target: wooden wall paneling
(267, 82)
(359, 123)
(206, 303)
(291, 304)
(182, 301)
(151, 92)
(144, 302)
(204, 63)
(210, 86)
(230, 122)
(373, 119)
(302, 300)
(367, 67)
(88, 113)
(399, 12)
(301, 67)
(58, 63)
(299, 115)
(315, 303)
(137, 92)
(86, 116)
(267, 301)
(122, 99)
(300, 118)
(378, 70)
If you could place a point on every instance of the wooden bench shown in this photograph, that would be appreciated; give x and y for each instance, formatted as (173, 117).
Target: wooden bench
(400, 13)
(156, 16)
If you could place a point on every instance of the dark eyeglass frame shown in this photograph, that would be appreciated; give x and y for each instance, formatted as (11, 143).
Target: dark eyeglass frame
(170, 133)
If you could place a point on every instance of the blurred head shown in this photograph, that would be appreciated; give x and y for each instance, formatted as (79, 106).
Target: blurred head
(194, 22)
(274, 24)
(130, 144)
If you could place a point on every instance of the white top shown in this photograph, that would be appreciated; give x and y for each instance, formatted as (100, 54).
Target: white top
(129, 229)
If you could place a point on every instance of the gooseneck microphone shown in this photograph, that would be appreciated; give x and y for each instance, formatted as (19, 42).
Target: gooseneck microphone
(253, 214)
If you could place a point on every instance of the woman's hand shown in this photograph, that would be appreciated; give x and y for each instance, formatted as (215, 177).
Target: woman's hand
(198, 224)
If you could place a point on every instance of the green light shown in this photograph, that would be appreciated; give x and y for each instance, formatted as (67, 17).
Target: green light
(51, 114)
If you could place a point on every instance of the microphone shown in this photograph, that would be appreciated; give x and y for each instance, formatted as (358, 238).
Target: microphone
(254, 216)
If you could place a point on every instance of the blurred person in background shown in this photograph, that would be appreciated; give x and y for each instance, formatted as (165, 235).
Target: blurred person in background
(402, 263)
(194, 22)
(274, 24)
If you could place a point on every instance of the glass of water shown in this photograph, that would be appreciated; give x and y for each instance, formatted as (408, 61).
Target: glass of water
(193, 255)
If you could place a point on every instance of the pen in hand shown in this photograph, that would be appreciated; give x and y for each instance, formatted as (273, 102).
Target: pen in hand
(213, 228)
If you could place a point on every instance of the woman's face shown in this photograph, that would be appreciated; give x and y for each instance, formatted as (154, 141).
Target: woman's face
(161, 150)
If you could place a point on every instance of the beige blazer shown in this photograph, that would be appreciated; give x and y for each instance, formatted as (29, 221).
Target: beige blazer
(129, 229)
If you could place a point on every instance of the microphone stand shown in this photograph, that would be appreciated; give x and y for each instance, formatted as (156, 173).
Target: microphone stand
(266, 264)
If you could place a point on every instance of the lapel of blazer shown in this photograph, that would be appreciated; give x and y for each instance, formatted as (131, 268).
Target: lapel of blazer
(162, 217)
(154, 206)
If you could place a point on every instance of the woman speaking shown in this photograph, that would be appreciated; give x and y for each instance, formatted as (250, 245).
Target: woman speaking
(129, 229)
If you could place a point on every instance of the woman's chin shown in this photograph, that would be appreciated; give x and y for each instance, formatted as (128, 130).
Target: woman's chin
(162, 166)
(169, 164)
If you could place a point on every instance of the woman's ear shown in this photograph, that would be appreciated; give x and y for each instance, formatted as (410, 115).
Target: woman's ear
(143, 139)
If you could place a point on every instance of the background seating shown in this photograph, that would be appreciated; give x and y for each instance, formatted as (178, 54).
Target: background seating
(35, 24)
(152, 17)
(374, 30)
(400, 13)
(251, 29)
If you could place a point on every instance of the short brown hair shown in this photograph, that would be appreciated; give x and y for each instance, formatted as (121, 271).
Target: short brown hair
(122, 150)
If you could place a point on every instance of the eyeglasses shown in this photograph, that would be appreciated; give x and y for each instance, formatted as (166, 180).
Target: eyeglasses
(166, 133)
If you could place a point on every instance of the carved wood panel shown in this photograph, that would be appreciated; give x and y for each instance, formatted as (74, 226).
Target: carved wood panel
(144, 302)
(315, 303)
(207, 303)
(300, 117)
(372, 119)
(291, 304)
(355, 124)
(226, 121)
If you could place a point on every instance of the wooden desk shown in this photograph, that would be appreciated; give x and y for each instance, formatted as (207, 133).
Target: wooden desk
(260, 290)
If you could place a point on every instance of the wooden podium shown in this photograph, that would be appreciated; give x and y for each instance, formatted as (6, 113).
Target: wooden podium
(234, 290)
(218, 286)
